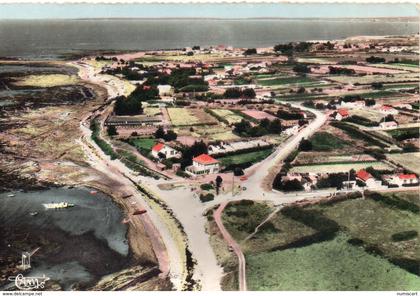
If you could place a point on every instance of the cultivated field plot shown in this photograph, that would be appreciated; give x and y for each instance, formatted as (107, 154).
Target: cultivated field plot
(410, 161)
(330, 265)
(321, 157)
(244, 158)
(284, 80)
(323, 141)
(152, 111)
(372, 115)
(339, 167)
(186, 117)
(210, 132)
(48, 80)
(372, 69)
(227, 115)
(368, 79)
(258, 115)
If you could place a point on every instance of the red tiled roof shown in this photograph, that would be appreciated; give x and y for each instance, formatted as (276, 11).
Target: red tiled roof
(158, 147)
(343, 112)
(407, 176)
(363, 175)
(205, 159)
(386, 108)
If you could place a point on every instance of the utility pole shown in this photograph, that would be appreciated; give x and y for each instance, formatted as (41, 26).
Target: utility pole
(233, 182)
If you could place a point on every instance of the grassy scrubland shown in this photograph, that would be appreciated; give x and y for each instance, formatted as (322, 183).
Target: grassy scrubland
(323, 141)
(330, 265)
(349, 243)
(48, 80)
(245, 158)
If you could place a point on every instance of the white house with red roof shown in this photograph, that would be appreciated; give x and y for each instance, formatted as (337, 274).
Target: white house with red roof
(202, 165)
(388, 110)
(162, 149)
(402, 179)
(368, 179)
(340, 114)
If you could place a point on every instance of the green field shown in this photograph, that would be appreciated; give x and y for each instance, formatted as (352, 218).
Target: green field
(285, 80)
(144, 144)
(339, 167)
(404, 133)
(243, 158)
(408, 160)
(323, 141)
(330, 265)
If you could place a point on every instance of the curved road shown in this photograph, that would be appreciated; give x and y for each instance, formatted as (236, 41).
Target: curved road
(233, 244)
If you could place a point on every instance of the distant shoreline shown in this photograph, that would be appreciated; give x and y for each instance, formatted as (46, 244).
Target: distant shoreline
(391, 19)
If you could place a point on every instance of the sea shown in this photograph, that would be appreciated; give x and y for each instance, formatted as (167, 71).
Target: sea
(50, 39)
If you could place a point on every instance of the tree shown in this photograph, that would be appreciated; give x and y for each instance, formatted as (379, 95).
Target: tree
(275, 126)
(301, 68)
(250, 51)
(242, 127)
(301, 90)
(170, 136)
(249, 93)
(159, 133)
(219, 181)
(375, 60)
(111, 130)
(233, 93)
(238, 171)
(305, 145)
(127, 106)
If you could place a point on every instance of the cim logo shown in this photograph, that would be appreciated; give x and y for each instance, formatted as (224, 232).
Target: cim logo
(28, 283)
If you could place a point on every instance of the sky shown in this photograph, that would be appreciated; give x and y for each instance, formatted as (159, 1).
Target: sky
(241, 10)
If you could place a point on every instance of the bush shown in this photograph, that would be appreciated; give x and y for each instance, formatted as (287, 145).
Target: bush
(403, 236)
(206, 197)
(206, 186)
(395, 201)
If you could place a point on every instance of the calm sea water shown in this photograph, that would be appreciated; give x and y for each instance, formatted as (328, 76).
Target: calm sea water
(50, 38)
(96, 214)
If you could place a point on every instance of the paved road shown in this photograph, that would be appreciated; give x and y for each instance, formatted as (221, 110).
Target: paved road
(233, 244)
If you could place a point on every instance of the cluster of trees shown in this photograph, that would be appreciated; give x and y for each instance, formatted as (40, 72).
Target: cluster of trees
(335, 180)
(283, 114)
(375, 60)
(127, 106)
(287, 185)
(290, 48)
(145, 93)
(244, 128)
(353, 98)
(305, 145)
(181, 79)
(301, 68)
(235, 93)
(340, 71)
(170, 135)
(250, 51)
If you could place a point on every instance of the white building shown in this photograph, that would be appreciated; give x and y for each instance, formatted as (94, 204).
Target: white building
(165, 90)
(162, 149)
(388, 110)
(388, 124)
(402, 179)
(355, 104)
(291, 130)
(202, 165)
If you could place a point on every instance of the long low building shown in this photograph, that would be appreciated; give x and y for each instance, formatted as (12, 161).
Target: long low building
(133, 121)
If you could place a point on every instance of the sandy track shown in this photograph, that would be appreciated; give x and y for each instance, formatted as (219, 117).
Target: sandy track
(234, 245)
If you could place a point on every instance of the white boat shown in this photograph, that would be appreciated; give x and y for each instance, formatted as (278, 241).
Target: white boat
(10, 195)
(33, 213)
(58, 205)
